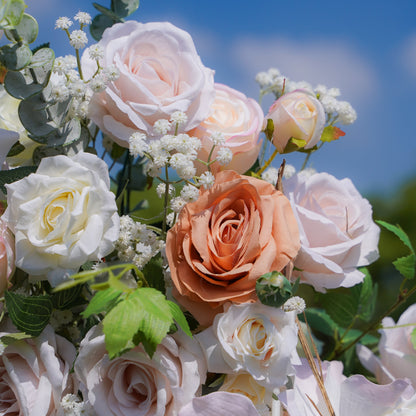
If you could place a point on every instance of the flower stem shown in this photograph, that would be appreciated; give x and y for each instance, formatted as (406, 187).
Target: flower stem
(270, 160)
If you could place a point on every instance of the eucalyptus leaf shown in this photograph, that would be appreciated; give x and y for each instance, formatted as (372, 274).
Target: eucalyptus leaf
(43, 57)
(12, 13)
(20, 86)
(27, 29)
(15, 57)
(124, 8)
(107, 12)
(100, 23)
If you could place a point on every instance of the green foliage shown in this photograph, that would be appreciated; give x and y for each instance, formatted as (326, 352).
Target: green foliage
(108, 17)
(12, 337)
(102, 301)
(67, 299)
(143, 316)
(294, 145)
(404, 265)
(13, 175)
(153, 271)
(268, 131)
(15, 57)
(29, 314)
(413, 338)
(25, 31)
(11, 12)
(179, 317)
(356, 303)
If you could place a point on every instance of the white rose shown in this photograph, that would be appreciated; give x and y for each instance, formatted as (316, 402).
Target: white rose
(35, 374)
(160, 73)
(337, 232)
(135, 384)
(397, 353)
(62, 216)
(254, 339)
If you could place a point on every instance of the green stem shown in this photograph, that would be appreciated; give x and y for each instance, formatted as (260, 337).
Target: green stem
(166, 202)
(79, 64)
(305, 162)
(270, 160)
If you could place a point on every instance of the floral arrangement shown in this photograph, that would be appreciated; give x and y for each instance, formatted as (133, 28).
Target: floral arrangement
(154, 257)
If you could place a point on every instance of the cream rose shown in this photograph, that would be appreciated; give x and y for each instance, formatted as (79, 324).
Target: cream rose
(35, 374)
(397, 355)
(62, 216)
(135, 384)
(240, 120)
(253, 339)
(297, 114)
(160, 73)
(7, 256)
(337, 232)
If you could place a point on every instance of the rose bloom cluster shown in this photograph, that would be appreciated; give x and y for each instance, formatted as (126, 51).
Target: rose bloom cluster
(228, 230)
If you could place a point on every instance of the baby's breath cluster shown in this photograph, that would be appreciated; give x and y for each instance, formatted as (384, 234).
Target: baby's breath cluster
(137, 244)
(72, 406)
(274, 82)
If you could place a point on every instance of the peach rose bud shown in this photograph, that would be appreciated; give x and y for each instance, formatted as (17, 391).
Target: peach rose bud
(298, 121)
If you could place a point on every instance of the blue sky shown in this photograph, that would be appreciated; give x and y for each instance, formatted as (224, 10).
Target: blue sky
(366, 48)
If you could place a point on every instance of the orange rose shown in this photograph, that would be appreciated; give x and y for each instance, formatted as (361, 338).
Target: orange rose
(222, 243)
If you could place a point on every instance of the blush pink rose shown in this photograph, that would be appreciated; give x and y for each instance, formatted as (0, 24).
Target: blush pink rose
(160, 73)
(135, 384)
(337, 232)
(297, 114)
(7, 256)
(35, 374)
(223, 242)
(397, 355)
(240, 120)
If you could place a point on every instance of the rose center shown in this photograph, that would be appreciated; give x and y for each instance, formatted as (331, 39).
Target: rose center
(55, 209)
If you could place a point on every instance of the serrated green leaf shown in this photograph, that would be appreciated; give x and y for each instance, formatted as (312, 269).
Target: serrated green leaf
(29, 314)
(143, 316)
(413, 338)
(320, 321)
(13, 175)
(367, 293)
(399, 232)
(353, 334)
(406, 266)
(102, 301)
(124, 8)
(153, 272)
(179, 317)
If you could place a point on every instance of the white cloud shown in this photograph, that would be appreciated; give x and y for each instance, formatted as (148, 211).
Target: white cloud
(329, 62)
(408, 55)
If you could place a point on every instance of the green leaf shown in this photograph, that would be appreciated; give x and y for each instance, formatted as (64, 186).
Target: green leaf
(27, 29)
(406, 266)
(143, 316)
(273, 289)
(320, 321)
(341, 307)
(100, 23)
(107, 12)
(29, 314)
(294, 144)
(413, 338)
(268, 131)
(20, 86)
(153, 272)
(398, 231)
(13, 13)
(43, 57)
(179, 317)
(15, 57)
(353, 334)
(331, 133)
(13, 175)
(124, 8)
(69, 298)
(16, 149)
(102, 301)
(367, 294)
(12, 337)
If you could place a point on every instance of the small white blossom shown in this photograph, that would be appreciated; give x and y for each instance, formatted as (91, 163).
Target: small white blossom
(188, 145)
(60, 93)
(170, 218)
(334, 92)
(307, 173)
(179, 160)
(289, 171)
(224, 156)
(263, 79)
(270, 175)
(77, 88)
(83, 18)
(161, 190)
(329, 103)
(207, 179)
(111, 73)
(179, 118)
(137, 144)
(78, 39)
(152, 169)
(321, 89)
(217, 138)
(273, 72)
(346, 113)
(72, 76)
(82, 109)
(98, 83)
(63, 23)
(296, 304)
(186, 171)
(161, 126)
(177, 204)
(189, 193)
(96, 51)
